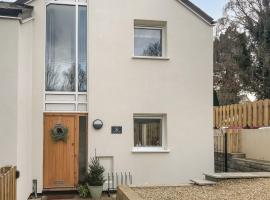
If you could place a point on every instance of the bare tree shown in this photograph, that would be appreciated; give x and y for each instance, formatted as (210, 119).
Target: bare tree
(52, 77)
(82, 76)
(69, 79)
(153, 49)
(253, 18)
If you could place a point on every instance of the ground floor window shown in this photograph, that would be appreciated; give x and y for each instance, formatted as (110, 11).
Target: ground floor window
(149, 130)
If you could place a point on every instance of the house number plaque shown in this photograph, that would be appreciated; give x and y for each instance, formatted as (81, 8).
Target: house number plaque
(116, 129)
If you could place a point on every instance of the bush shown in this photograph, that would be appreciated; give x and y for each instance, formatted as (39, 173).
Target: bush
(83, 191)
(95, 174)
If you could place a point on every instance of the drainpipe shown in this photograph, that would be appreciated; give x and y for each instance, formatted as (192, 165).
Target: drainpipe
(35, 188)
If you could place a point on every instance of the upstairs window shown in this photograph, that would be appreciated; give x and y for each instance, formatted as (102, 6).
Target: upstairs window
(66, 48)
(148, 42)
(149, 38)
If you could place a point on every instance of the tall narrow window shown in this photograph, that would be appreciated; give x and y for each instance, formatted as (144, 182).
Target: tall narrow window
(82, 148)
(60, 48)
(66, 56)
(82, 49)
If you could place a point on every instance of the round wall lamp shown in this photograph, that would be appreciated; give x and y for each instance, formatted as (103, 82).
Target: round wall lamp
(97, 124)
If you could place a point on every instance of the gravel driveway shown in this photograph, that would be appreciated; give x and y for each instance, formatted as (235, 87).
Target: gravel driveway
(248, 189)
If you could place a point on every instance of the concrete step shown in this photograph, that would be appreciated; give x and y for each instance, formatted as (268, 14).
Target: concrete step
(235, 175)
(237, 155)
(201, 182)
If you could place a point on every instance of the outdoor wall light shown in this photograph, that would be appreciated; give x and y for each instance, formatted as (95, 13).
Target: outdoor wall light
(97, 124)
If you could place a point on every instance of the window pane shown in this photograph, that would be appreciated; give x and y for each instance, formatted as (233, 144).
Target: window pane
(148, 42)
(148, 132)
(82, 148)
(60, 48)
(82, 49)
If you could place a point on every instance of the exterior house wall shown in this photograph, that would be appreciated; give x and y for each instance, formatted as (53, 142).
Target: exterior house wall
(181, 87)
(39, 33)
(24, 116)
(8, 95)
(16, 101)
(120, 86)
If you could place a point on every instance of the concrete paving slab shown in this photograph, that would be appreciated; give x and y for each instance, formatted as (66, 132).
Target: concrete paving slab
(235, 175)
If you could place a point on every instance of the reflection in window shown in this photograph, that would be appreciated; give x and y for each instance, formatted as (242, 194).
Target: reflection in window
(148, 42)
(147, 132)
(82, 49)
(60, 48)
(82, 148)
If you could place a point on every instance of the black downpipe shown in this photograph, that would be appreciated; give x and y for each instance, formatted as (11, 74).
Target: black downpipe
(226, 151)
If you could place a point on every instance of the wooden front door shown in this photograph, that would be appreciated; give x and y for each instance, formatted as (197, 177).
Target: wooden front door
(60, 157)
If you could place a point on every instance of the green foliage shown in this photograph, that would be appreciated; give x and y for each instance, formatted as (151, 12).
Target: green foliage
(215, 99)
(231, 60)
(59, 133)
(83, 191)
(251, 19)
(95, 174)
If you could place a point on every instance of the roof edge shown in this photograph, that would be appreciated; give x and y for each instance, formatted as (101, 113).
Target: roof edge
(13, 10)
(198, 11)
(187, 3)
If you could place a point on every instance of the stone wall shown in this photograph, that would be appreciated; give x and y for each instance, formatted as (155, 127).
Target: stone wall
(238, 162)
(126, 193)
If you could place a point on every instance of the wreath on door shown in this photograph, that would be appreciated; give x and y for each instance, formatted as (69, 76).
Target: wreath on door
(59, 133)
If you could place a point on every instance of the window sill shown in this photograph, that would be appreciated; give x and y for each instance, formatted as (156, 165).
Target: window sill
(149, 150)
(150, 58)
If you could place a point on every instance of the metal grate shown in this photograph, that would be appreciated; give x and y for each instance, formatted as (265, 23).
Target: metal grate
(118, 178)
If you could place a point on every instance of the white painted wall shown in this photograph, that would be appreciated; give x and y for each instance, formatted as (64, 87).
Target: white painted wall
(255, 143)
(120, 86)
(16, 101)
(37, 90)
(8, 94)
(24, 116)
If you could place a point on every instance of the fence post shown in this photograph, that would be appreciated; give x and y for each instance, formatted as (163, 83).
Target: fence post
(266, 112)
(255, 114)
(226, 151)
(260, 113)
(244, 123)
(236, 115)
(249, 114)
(231, 116)
(217, 117)
(220, 116)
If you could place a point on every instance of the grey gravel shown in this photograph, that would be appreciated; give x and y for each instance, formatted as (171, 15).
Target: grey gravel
(245, 189)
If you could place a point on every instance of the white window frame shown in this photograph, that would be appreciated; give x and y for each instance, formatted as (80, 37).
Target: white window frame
(163, 40)
(163, 148)
(76, 102)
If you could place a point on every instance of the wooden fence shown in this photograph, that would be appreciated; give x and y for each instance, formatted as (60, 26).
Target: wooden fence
(8, 183)
(233, 141)
(246, 115)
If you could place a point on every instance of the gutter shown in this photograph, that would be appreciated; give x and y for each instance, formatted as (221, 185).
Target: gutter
(213, 23)
(22, 21)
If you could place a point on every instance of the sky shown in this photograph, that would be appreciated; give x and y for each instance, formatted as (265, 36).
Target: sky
(214, 8)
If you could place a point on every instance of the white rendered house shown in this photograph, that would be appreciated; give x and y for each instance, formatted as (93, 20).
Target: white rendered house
(141, 68)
